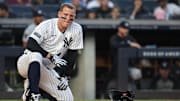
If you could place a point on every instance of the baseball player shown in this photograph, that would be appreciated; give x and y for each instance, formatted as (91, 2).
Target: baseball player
(52, 45)
(37, 19)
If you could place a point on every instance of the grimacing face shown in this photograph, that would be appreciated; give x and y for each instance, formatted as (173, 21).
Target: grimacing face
(66, 16)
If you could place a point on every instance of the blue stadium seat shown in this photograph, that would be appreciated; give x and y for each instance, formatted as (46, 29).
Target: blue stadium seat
(26, 11)
(21, 11)
(123, 4)
(151, 4)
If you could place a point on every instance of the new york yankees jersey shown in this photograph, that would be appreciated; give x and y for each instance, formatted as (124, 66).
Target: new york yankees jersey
(52, 40)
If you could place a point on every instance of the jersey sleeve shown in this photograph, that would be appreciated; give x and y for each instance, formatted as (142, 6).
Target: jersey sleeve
(39, 32)
(77, 40)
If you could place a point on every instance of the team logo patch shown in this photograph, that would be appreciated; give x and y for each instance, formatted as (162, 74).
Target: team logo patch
(37, 34)
(67, 42)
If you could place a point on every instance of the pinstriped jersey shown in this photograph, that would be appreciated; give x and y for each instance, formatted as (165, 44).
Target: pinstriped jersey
(51, 39)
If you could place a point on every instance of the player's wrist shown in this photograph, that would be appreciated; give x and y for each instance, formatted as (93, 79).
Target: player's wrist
(49, 56)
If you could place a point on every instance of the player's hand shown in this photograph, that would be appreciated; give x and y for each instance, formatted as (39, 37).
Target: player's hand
(63, 83)
(58, 61)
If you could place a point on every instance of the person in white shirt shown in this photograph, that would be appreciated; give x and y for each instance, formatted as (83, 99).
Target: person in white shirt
(166, 11)
(96, 3)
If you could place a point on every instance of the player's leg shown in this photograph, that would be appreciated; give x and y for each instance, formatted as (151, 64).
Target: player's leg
(49, 82)
(29, 67)
(43, 93)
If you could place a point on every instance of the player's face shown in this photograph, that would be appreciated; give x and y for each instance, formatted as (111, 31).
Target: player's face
(66, 16)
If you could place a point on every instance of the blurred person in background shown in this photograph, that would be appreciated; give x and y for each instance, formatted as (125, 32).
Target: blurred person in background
(139, 11)
(174, 1)
(37, 2)
(80, 9)
(82, 2)
(122, 39)
(115, 13)
(103, 11)
(37, 19)
(164, 80)
(175, 71)
(91, 14)
(96, 3)
(4, 11)
(166, 11)
(45, 2)
(18, 2)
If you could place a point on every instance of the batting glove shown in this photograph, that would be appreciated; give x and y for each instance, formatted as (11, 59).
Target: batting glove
(58, 61)
(63, 83)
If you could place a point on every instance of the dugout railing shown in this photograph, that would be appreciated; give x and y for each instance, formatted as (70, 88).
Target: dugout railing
(125, 54)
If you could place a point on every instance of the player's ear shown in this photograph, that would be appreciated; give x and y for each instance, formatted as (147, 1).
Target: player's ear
(59, 14)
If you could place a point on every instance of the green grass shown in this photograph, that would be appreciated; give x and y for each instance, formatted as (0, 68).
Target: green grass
(94, 100)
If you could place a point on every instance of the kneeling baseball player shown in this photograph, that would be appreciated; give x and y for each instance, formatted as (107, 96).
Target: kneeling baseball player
(53, 45)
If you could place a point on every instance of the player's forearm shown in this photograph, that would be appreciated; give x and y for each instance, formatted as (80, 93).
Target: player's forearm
(70, 57)
(32, 45)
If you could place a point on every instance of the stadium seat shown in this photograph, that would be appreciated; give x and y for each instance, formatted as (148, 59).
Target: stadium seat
(125, 3)
(150, 4)
(21, 11)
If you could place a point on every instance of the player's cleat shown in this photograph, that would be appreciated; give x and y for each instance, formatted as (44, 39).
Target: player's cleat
(27, 96)
(34, 97)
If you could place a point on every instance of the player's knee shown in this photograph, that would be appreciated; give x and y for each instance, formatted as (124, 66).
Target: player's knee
(36, 57)
(22, 66)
